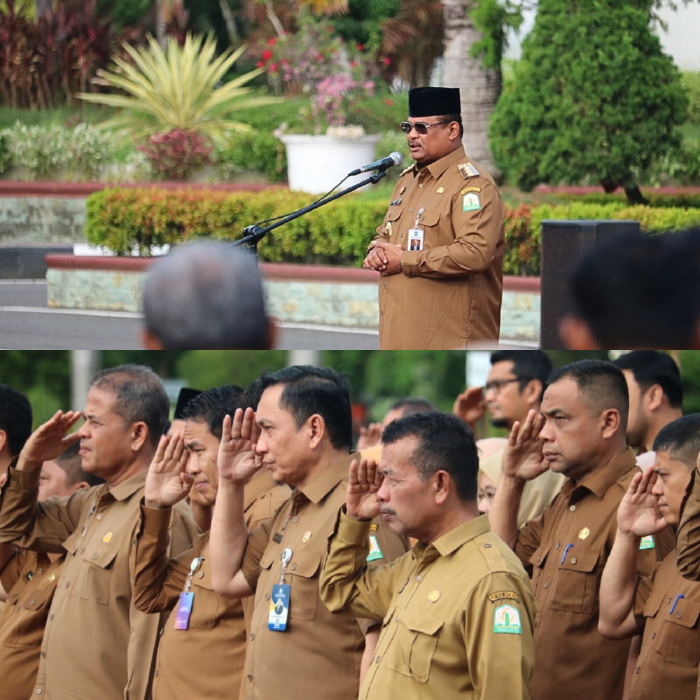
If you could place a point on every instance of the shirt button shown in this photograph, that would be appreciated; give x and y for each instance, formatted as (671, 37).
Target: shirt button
(14, 479)
(296, 518)
(294, 566)
(487, 545)
(263, 496)
(653, 634)
(556, 546)
(410, 210)
(678, 616)
(572, 508)
(99, 516)
(376, 661)
(82, 550)
(32, 601)
(636, 670)
(50, 617)
(573, 560)
(156, 673)
(421, 185)
(67, 584)
(94, 556)
(267, 596)
(43, 654)
(396, 619)
(250, 678)
(200, 574)
(546, 584)
(39, 691)
(384, 285)
(419, 578)
(40, 571)
(162, 630)
(252, 636)
(623, 478)
(539, 559)
(381, 313)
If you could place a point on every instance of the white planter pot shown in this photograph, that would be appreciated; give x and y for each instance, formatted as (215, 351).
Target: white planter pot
(317, 163)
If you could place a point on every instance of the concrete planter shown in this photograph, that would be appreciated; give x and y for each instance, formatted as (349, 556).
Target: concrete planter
(308, 294)
(317, 163)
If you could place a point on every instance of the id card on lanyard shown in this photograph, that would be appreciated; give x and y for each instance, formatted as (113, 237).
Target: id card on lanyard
(416, 235)
(279, 602)
(184, 604)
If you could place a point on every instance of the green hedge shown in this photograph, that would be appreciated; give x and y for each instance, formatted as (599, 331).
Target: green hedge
(336, 234)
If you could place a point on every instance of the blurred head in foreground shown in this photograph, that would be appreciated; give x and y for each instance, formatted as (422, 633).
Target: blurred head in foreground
(205, 296)
(636, 291)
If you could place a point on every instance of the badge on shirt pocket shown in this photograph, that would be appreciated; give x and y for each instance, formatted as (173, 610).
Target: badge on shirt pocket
(279, 607)
(416, 237)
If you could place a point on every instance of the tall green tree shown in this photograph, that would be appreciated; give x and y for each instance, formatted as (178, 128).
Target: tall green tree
(594, 98)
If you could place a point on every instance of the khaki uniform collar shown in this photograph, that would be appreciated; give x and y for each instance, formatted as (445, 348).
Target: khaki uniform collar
(451, 541)
(328, 479)
(440, 166)
(259, 485)
(125, 490)
(600, 480)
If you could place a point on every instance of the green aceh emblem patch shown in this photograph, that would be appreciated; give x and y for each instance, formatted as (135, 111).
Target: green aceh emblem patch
(647, 543)
(374, 551)
(471, 202)
(506, 620)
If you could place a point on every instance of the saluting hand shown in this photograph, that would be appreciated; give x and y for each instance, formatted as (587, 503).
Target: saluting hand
(49, 440)
(238, 461)
(522, 457)
(470, 405)
(167, 482)
(638, 513)
(364, 481)
(370, 436)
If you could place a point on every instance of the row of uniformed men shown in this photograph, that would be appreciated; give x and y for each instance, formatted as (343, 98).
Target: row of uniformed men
(456, 615)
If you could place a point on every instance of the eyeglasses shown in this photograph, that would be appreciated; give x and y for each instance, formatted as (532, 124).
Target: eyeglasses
(420, 127)
(497, 384)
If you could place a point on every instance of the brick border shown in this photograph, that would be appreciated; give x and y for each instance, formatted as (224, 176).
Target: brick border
(271, 271)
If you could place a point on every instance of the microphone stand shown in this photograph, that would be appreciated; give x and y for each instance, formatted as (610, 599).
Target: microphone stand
(254, 234)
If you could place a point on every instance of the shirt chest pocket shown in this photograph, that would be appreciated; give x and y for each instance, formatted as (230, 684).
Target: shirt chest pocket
(680, 636)
(392, 223)
(539, 561)
(577, 583)
(31, 620)
(301, 575)
(412, 650)
(430, 223)
(94, 574)
(205, 605)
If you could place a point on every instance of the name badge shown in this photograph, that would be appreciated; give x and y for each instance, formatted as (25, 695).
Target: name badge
(184, 610)
(279, 607)
(415, 238)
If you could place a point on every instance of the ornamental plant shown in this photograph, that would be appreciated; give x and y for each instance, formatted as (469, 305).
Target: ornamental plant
(176, 154)
(177, 89)
(594, 99)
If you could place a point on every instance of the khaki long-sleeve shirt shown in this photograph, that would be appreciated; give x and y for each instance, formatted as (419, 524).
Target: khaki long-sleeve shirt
(207, 659)
(668, 608)
(448, 294)
(566, 548)
(96, 643)
(458, 614)
(688, 533)
(319, 654)
(30, 579)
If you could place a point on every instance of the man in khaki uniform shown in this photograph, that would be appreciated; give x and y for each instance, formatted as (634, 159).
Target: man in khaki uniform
(30, 579)
(304, 423)
(207, 658)
(440, 249)
(663, 606)
(580, 432)
(96, 643)
(458, 610)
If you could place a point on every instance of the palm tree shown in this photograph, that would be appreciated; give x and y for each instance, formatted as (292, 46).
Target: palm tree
(480, 86)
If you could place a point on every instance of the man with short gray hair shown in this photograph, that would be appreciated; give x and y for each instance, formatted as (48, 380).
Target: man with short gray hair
(205, 296)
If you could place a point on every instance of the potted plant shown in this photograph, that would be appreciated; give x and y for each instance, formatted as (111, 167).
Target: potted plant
(336, 76)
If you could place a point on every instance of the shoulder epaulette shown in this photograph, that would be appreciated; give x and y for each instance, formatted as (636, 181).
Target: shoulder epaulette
(407, 170)
(468, 170)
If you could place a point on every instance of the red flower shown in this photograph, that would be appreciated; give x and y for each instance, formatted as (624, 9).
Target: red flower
(273, 68)
(360, 47)
(260, 64)
(272, 42)
(266, 55)
(353, 64)
(386, 61)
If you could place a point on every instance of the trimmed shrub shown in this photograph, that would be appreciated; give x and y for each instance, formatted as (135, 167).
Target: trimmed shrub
(336, 234)
(252, 151)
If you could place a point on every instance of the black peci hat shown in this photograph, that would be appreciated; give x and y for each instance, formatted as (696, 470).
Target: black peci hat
(186, 395)
(433, 102)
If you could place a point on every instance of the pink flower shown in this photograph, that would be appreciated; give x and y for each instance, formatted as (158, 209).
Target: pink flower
(273, 68)
(272, 41)
(386, 61)
(260, 64)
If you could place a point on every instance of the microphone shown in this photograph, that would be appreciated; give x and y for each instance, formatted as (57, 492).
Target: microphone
(394, 159)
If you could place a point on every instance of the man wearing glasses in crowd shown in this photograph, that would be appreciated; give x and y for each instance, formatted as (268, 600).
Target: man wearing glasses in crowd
(440, 248)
